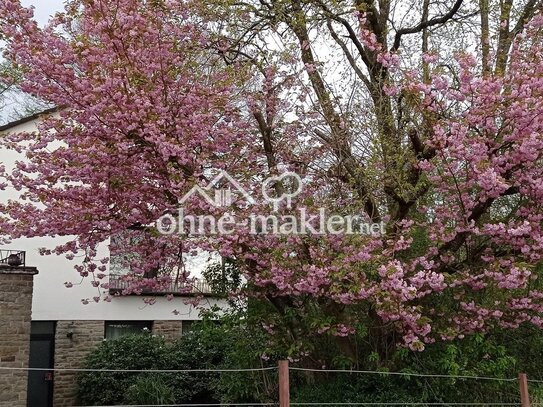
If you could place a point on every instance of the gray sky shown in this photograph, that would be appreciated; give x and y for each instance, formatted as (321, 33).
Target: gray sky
(43, 8)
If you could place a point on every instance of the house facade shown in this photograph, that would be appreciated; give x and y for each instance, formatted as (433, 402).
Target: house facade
(66, 323)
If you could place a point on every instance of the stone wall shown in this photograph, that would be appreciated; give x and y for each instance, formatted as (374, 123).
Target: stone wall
(73, 342)
(15, 310)
(170, 330)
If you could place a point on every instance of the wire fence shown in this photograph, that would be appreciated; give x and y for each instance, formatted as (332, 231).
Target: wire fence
(406, 374)
(45, 369)
(283, 369)
(271, 368)
(317, 404)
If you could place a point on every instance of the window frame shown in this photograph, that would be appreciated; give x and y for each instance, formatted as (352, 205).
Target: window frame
(134, 323)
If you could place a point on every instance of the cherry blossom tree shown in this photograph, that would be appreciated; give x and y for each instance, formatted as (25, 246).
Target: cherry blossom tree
(147, 65)
(426, 116)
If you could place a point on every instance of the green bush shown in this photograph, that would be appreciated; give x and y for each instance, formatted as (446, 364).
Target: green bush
(237, 342)
(133, 352)
(150, 391)
(196, 350)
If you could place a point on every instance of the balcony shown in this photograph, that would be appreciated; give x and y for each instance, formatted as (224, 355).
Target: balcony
(13, 258)
(120, 283)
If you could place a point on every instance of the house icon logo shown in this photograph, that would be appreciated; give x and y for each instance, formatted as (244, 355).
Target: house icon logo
(220, 191)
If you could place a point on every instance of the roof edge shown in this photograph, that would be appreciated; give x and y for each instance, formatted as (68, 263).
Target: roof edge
(27, 119)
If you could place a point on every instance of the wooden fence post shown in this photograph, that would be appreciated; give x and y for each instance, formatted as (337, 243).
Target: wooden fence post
(524, 395)
(284, 385)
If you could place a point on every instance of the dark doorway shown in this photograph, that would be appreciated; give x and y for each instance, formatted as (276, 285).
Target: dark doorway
(42, 348)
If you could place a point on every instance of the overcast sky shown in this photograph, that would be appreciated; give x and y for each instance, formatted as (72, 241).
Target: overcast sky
(43, 8)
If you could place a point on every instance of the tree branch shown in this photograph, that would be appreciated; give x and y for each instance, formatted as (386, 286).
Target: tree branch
(349, 56)
(426, 24)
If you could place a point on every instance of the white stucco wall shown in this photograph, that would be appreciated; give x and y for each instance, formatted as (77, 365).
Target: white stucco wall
(53, 301)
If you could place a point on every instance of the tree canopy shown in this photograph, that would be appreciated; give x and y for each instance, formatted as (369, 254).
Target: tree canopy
(424, 115)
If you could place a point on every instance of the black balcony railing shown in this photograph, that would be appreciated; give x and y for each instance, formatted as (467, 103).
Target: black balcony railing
(13, 258)
(119, 283)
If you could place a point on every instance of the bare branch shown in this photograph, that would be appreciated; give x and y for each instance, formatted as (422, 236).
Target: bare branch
(349, 56)
(426, 24)
(352, 33)
(526, 15)
(485, 36)
(506, 37)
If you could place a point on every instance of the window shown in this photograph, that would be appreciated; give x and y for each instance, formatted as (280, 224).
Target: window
(42, 328)
(116, 329)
